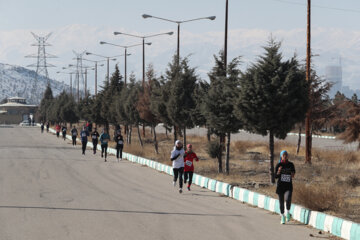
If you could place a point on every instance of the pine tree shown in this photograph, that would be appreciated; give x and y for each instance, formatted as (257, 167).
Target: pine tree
(354, 98)
(273, 97)
(45, 103)
(181, 101)
(144, 103)
(219, 103)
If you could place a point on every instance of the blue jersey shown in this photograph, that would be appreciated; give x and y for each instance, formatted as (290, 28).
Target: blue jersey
(84, 134)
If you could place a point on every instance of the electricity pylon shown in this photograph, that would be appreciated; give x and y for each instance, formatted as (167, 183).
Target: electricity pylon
(41, 64)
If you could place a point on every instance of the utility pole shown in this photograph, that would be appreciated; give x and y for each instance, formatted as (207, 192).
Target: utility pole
(308, 139)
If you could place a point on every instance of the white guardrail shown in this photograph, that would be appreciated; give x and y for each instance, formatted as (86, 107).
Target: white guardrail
(334, 225)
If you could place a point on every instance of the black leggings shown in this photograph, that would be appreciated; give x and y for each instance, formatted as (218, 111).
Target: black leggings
(57, 134)
(104, 149)
(119, 151)
(95, 143)
(179, 172)
(287, 197)
(83, 147)
(74, 140)
(188, 175)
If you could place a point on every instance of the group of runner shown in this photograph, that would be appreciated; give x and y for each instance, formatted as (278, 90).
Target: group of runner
(86, 131)
(183, 163)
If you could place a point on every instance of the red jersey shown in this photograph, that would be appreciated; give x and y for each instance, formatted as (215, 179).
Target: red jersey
(57, 128)
(189, 161)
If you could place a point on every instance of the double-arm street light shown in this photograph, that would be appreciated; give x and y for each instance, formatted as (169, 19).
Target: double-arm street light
(70, 73)
(85, 83)
(126, 54)
(96, 65)
(113, 58)
(143, 43)
(178, 29)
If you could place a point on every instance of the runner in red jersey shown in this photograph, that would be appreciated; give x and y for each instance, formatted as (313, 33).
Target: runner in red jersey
(189, 158)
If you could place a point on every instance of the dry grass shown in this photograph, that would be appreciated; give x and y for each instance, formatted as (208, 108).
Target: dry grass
(319, 197)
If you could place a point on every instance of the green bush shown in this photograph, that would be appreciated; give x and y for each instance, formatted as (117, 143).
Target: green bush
(213, 149)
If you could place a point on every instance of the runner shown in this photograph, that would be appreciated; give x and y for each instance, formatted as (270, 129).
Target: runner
(285, 172)
(57, 128)
(95, 139)
(104, 139)
(42, 127)
(64, 131)
(74, 134)
(47, 126)
(177, 158)
(119, 146)
(189, 165)
(84, 138)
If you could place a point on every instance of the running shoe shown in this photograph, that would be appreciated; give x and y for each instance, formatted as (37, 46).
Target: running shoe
(288, 217)
(180, 190)
(282, 219)
(174, 183)
(188, 188)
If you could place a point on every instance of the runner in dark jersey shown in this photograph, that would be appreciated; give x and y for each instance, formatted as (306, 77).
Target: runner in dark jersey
(74, 134)
(42, 127)
(84, 134)
(284, 172)
(119, 146)
(104, 139)
(95, 139)
(63, 129)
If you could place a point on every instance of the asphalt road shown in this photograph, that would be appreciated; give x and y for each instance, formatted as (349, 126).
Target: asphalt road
(50, 191)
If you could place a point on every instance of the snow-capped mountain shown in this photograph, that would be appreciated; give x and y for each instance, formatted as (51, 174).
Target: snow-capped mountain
(16, 81)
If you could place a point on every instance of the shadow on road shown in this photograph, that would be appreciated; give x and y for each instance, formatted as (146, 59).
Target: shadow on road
(120, 211)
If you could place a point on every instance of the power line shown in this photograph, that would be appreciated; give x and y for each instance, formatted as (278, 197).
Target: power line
(319, 6)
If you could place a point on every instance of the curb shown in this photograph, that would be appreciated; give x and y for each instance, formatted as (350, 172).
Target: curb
(336, 226)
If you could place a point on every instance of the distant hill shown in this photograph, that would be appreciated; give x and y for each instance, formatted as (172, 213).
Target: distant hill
(18, 81)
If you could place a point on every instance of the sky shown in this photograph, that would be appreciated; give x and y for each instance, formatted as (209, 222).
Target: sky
(80, 25)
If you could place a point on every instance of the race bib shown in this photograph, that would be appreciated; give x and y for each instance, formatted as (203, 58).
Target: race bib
(285, 178)
(105, 140)
(74, 133)
(94, 137)
(188, 163)
(120, 142)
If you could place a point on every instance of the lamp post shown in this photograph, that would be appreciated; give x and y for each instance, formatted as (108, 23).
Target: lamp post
(143, 44)
(126, 54)
(96, 65)
(178, 45)
(107, 61)
(85, 81)
(70, 73)
(178, 28)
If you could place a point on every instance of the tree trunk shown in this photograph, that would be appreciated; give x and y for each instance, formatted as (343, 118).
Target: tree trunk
(155, 141)
(299, 141)
(130, 133)
(227, 160)
(139, 135)
(143, 128)
(208, 134)
(185, 138)
(220, 170)
(166, 132)
(175, 135)
(271, 148)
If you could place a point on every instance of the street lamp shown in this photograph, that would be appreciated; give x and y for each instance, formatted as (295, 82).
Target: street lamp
(85, 81)
(70, 73)
(108, 60)
(178, 29)
(125, 47)
(143, 43)
(96, 65)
